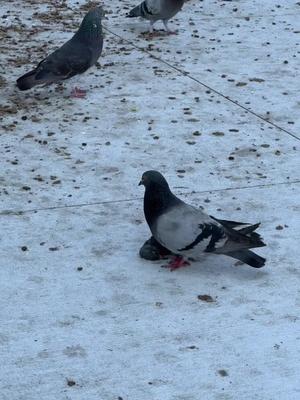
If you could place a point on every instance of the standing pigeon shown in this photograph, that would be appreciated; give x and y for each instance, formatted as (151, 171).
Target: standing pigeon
(154, 10)
(74, 57)
(188, 232)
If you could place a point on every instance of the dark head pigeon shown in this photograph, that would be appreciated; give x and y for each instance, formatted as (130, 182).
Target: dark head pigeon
(73, 58)
(155, 10)
(188, 232)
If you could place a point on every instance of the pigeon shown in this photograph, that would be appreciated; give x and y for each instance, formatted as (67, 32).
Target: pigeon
(73, 58)
(152, 250)
(188, 232)
(155, 10)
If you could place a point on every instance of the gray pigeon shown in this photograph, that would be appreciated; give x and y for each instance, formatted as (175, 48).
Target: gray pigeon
(74, 57)
(188, 232)
(155, 10)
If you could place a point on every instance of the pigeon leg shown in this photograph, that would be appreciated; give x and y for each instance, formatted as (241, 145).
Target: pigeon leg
(176, 262)
(151, 27)
(78, 93)
(150, 33)
(165, 22)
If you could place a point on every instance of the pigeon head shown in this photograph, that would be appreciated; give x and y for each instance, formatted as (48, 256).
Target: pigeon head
(91, 23)
(158, 196)
(154, 180)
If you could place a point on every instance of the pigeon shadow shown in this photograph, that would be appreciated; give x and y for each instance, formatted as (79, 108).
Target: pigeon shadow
(215, 267)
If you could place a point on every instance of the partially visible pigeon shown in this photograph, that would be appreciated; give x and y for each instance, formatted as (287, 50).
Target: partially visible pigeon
(74, 57)
(152, 250)
(155, 10)
(188, 232)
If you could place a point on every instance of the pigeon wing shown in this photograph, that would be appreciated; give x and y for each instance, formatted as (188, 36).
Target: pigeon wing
(64, 63)
(185, 229)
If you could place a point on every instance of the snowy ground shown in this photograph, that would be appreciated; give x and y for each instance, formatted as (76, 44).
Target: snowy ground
(216, 109)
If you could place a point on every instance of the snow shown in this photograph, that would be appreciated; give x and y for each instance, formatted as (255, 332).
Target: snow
(78, 304)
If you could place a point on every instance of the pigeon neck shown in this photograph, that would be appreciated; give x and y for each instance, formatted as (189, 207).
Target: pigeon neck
(156, 201)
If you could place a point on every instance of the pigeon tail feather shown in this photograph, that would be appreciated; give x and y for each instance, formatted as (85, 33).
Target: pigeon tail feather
(249, 229)
(28, 80)
(248, 257)
(244, 238)
(135, 12)
(253, 236)
(242, 227)
(232, 224)
(140, 11)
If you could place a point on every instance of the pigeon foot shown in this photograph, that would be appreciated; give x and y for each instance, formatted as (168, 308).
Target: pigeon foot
(151, 35)
(176, 262)
(78, 93)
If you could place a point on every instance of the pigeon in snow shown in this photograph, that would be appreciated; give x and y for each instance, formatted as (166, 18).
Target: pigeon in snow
(155, 10)
(188, 232)
(74, 57)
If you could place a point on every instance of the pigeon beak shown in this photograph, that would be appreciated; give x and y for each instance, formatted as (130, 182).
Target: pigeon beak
(141, 182)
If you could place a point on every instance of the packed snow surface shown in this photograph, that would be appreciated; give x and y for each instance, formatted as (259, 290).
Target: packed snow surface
(215, 108)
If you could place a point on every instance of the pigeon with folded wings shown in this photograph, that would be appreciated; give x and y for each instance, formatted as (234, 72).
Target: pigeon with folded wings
(73, 58)
(188, 232)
